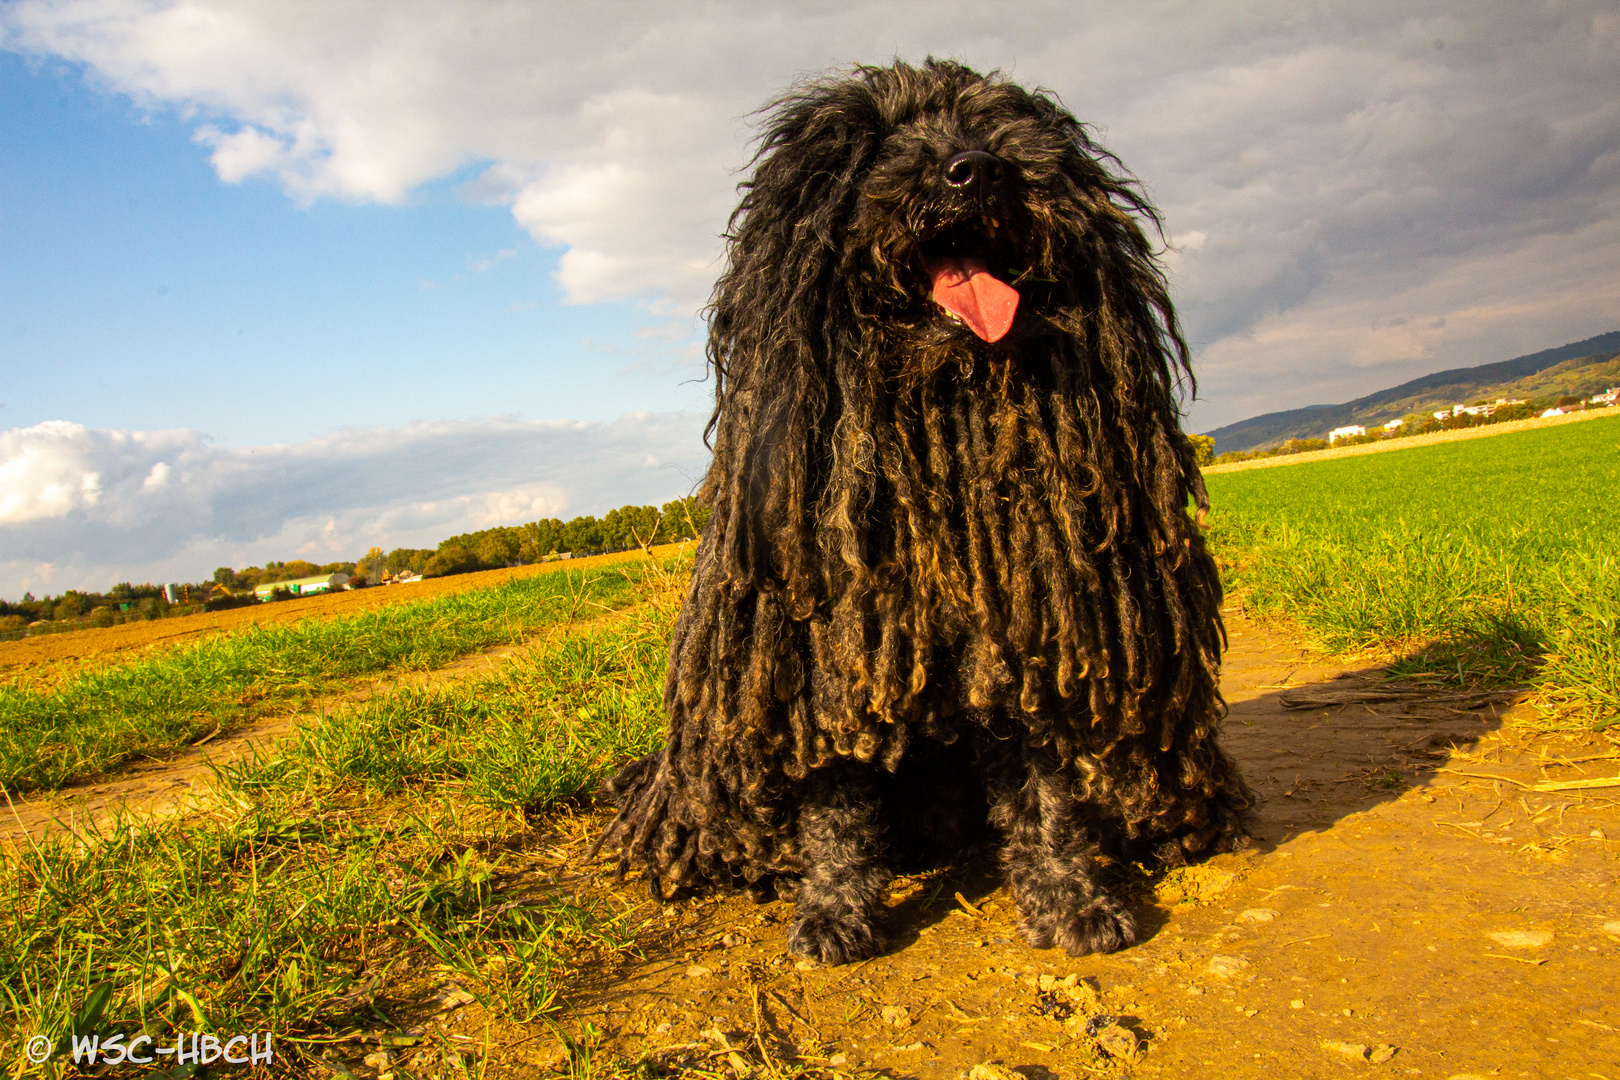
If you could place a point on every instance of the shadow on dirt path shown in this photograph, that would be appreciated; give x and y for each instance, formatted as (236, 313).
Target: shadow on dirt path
(1413, 906)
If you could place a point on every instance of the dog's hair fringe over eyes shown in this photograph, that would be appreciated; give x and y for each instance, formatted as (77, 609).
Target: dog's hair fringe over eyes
(913, 535)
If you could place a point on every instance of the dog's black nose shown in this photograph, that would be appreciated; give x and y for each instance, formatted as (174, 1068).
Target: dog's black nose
(973, 171)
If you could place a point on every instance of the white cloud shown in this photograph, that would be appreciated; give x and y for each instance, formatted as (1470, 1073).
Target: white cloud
(1328, 171)
(86, 507)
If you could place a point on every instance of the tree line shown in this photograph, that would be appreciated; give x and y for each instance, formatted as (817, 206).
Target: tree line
(623, 529)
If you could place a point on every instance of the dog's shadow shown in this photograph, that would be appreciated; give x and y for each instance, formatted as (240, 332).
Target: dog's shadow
(1313, 755)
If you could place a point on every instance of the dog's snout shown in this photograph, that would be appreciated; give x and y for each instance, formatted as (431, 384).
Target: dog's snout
(973, 171)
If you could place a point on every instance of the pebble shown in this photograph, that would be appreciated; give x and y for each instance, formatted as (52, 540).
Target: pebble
(1522, 939)
(697, 971)
(1612, 928)
(909, 1047)
(731, 941)
(807, 965)
(378, 1060)
(1260, 914)
(1226, 966)
(1296, 1004)
(838, 1059)
(897, 1016)
(454, 997)
(1382, 1053)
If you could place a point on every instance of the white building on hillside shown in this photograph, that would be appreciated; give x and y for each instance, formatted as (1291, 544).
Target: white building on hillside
(1346, 432)
(1394, 425)
(306, 586)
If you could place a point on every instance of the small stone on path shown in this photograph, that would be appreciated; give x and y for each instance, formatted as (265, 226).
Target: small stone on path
(1522, 939)
(1226, 966)
(1260, 914)
(989, 1070)
(897, 1015)
(1358, 1051)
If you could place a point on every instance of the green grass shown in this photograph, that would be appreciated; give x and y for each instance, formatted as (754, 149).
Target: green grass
(378, 856)
(104, 716)
(540, 730)
(1495, 560)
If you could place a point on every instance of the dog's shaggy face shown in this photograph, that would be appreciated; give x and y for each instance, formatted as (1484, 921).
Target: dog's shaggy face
(950, 581)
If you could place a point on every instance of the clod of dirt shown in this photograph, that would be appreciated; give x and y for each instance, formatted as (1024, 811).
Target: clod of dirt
(1612, 928)
(1052, 1007)
(1117, 1040)
(897, 1016)
(1226, 967)
(1260, 914)
(1522, 939)
(1382, 1053)
(991, 1070)
(1194, 884)
(697, 971)
(1358, 1051)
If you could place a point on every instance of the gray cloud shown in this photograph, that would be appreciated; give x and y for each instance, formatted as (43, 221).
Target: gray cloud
(1356, 194)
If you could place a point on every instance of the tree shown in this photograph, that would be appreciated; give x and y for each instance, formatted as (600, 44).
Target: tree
(683, 517)
(373, 568)
(1203, 449)
(224, 575)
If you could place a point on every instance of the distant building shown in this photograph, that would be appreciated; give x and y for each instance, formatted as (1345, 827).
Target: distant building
(1553, 412)
(1608, 397)
(1394, 425)
(304, 586)
(1348, 431)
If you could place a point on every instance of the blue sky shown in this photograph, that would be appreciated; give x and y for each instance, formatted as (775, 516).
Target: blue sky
(139, 291)
(290, 278)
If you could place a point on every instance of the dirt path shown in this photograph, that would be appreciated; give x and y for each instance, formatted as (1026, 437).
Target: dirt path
(1401, 913)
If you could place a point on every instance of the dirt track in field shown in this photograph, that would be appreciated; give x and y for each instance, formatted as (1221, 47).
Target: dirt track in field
(1507, 427)
(42, 656)
(1409, 908)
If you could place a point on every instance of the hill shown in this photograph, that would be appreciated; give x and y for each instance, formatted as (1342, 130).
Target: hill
(1579, 368)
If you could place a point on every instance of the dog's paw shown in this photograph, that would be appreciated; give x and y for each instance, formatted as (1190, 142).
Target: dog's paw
(1101, 926)
(833, 937)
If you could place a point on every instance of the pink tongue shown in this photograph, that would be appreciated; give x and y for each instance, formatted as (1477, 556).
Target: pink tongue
(967, 290)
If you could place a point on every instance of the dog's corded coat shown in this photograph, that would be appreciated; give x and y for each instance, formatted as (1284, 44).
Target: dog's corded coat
(921, 538)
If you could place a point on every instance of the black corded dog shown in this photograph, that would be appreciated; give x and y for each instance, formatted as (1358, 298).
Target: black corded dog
(951, 573)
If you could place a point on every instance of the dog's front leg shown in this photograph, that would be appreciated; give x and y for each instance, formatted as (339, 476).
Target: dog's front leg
(1051, 863)
(841, 845)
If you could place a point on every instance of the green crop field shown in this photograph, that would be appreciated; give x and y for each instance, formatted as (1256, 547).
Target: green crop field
(1493, 561)
(107, 715)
